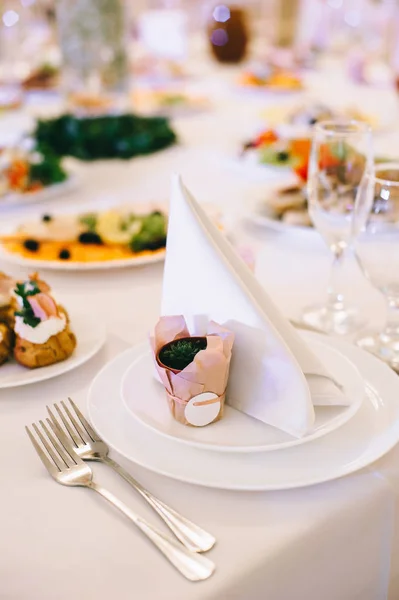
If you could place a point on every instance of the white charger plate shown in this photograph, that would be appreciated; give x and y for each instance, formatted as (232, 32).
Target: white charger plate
(144, 398)
(372, 432)
(90, 335)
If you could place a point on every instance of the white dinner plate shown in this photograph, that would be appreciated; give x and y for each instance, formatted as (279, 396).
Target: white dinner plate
(237, 432)
(370, 434)
(90, 335)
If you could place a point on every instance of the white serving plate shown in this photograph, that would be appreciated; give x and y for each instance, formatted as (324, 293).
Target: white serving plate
(145, 400)
(60, 265)
(90, 335)
(259, 214)
(47, 193)
(11, 225)
(370, 434)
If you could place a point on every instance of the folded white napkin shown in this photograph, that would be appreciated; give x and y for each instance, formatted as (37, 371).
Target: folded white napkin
(205, 279)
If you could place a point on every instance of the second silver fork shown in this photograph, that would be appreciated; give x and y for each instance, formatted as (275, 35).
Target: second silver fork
(89, 446)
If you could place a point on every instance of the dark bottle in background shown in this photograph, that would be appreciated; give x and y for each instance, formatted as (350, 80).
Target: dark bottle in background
(228, 33)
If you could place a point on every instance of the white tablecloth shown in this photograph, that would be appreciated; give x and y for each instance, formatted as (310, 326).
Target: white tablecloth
(333, 541)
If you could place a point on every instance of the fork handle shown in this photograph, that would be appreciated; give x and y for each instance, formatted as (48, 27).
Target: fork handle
(193, 566)
(194, 538)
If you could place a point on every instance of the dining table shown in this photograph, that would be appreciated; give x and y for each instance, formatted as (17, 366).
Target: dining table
(336, 540)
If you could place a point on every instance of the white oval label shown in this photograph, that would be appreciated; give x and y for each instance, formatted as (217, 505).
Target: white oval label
(202, 409)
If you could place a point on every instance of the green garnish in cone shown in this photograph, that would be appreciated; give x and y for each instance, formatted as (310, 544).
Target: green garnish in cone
(180, 353)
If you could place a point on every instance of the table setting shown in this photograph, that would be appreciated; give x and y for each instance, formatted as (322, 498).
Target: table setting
(198, 308)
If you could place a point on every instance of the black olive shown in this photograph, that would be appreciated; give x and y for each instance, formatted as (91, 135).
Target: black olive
(313, 121)
(282, 156)
(47, 218)
(157, 212)
(64, 254)
(90, 237)
(32, 245)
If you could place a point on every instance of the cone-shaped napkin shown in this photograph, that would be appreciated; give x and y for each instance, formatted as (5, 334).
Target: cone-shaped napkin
(205, 279)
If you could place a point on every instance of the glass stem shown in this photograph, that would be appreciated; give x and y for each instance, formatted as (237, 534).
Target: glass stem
(335, 300)
(391, 331)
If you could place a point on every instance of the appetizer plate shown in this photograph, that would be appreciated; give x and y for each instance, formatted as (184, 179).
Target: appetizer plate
(91, 336)
(236, 432)
(47, 193)
(262, 215)
(155, 102)
(34, 262)
(250, 168)
(370, 434)
(278, 116)
(266, 88)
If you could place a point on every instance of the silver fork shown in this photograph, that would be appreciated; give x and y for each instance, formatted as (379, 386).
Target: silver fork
(89, 446)
(65, 466)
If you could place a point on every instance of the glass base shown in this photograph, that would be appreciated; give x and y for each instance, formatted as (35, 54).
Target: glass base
(385, 348)
(339, 322)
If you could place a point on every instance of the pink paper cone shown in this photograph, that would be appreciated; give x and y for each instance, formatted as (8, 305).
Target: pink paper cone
(208, 372)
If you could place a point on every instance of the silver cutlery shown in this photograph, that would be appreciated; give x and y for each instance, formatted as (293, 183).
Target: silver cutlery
(67, 468)
(89, 446)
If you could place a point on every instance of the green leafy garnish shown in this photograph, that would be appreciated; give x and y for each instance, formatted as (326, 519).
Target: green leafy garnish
(152, 234)
(110, 136)
(89, 220)
(277, 157)
(180, 353)
(24, 290)
(47, 171)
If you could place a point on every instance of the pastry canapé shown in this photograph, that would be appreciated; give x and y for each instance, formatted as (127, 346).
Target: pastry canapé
(42, 331)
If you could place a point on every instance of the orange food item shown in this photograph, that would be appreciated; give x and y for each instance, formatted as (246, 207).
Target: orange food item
(302, 171)
(284, 80)
(18, 174)
(35, 186)
(250, 79)
(266, 137)
(89, 102)
(327, 158)
(300, 148)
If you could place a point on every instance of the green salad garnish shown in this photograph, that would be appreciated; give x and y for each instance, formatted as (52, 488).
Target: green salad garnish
(24, 290)
(152, 234)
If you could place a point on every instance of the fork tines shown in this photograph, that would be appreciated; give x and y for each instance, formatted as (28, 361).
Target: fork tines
(81, 432)
(56, 456)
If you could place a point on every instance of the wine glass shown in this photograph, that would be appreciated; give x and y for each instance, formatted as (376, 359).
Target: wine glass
(341, 155)
(377, 251)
